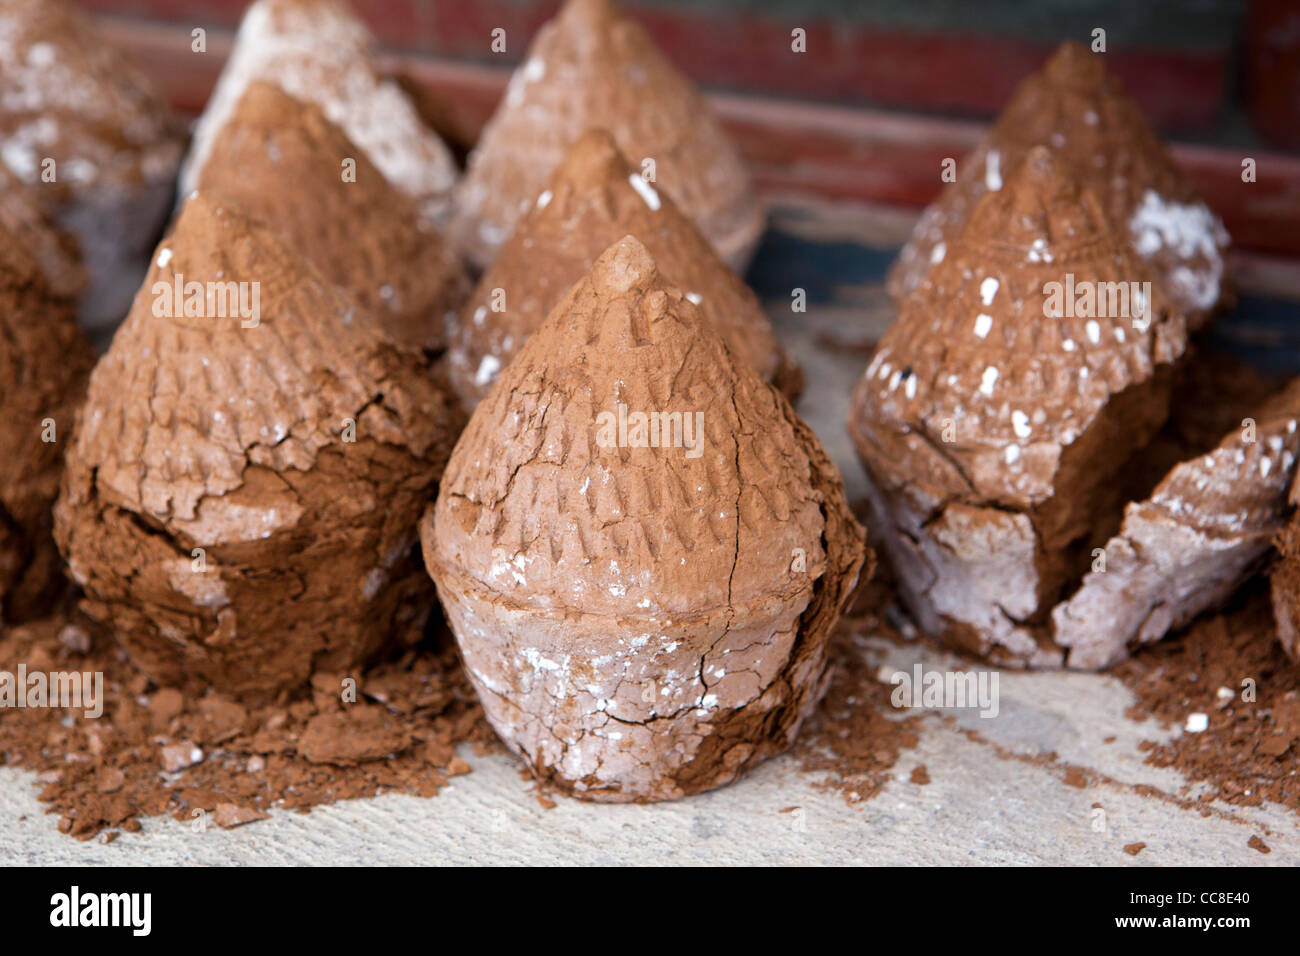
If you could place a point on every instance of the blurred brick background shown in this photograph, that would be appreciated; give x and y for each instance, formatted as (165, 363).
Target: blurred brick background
(1217, 71)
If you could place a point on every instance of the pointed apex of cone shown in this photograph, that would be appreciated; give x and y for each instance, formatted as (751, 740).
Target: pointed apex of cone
(1073, 64)
(591, 162)
(361, 232)
(624, 266)
(212, 240)
(320, 51)
(1080, 111)
(590, 68)
(266, 104)
(593, 200)
(1042, 207)
(583, 14)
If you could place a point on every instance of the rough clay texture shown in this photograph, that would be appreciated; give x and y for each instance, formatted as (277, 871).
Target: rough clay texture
(1286, 580)
(992, 433)
(27, 225)
(296, 454)
(44, 361)
(362, 233)
(592, 200)
(318, 50)
(1075, 108)
(640, 624)
(66, 95)
(1208, 524)
(591, 68)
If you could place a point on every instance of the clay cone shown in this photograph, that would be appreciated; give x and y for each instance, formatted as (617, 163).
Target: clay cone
(1207, 526)
(591, 68)
(241, 500)
(319, 51)
(44, 361)
(1286, 580)
(1078, 111)
(640, 547)
(1000, 407)
(55, 252)
(592, 199)
(285, 164)
(69, 99)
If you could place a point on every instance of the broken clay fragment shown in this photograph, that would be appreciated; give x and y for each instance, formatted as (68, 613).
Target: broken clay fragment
(1000, 408)
(242, 496)
(592, 200)
(319, 51)
(44, 362)
(1286, 580)
(276, 151)
(640, 547)
(1186, 548)
(91, 141)
(1077, 109)
(592, 68)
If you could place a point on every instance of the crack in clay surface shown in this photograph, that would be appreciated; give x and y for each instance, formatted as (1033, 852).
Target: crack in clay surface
(658, 592)
(230, 449)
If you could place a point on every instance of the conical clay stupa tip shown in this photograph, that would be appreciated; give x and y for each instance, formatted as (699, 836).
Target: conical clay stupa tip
(359, 230)
(613, 507)
(1040, 214)
(252, 457)
(592, 199)
(591, 161)
(320, 51)
(624, 266)
(587, 68)
(1078, 111)
(1073, 64)
(580, 13)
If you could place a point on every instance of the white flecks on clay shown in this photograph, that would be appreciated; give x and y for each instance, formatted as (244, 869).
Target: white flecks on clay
(993, 171)
(988, 289)
(544, 199)
(983, 324)
(1189, 231)
(938, 252)
(487, 370)
(1038, 251)
(988, 380)
(645, 191)
(1020, 424)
